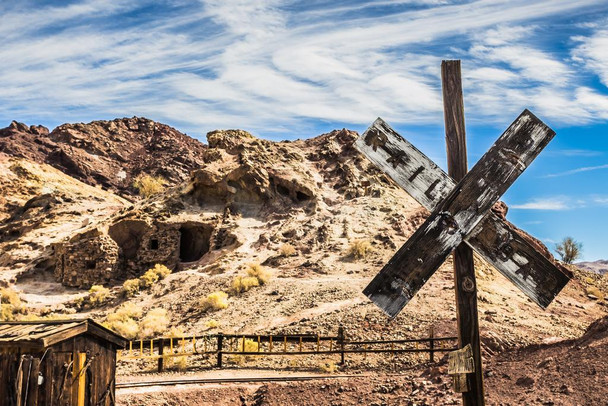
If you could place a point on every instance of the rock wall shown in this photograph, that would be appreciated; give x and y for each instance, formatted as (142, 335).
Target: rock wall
(130, 247)
(89, 260)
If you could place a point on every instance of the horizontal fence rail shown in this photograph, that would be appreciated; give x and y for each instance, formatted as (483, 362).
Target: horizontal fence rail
(219, 345)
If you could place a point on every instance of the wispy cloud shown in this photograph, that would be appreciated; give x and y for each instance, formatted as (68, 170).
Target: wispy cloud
(553, 203)
(561, 202)
(577, 170)
(585, 153)
(269, 64)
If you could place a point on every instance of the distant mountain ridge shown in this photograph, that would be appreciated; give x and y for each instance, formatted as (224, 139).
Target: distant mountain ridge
(599, 266)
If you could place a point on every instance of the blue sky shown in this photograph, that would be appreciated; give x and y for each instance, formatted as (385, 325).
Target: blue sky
(291, 69)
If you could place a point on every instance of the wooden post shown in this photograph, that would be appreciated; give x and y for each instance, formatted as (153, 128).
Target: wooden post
(431, 344)
(78, 379)
(161, 351)
(465, 285)
(341, 342)
(220, 341)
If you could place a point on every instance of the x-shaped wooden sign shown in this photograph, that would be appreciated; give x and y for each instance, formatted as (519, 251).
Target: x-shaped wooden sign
(460, 212)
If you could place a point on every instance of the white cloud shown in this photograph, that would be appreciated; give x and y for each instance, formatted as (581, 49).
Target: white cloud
(551, 203)
(260, 65)
(577, 170)
(593, 53)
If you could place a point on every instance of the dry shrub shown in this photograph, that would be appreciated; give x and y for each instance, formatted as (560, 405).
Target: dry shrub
(124, 320)
(214, 301)
(153, 275)
(7, 312)
(176, 362)
(127, 328)
(161, 271)
(98, 296)
(329, 367)
(10, 305)
(287, 250)
(257, 271)
(130, 287)
(359, 249)
(148, 185)
(250, 346)
(212, 323)
(148, 279)
(9, 296)
(242, 284)
(154, 323)
(592, 290)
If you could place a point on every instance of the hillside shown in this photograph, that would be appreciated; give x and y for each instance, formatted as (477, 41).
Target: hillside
(600, 266)
(314, 214)
(107, 153)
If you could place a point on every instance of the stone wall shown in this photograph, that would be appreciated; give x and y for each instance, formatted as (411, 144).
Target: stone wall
(86, 261)
(131, 247)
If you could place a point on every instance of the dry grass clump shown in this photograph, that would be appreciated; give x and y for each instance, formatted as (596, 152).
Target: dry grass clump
(259, 272)
(212, 324)
(98, 296)
(161, 271)
(329, 367)
(242, 284)
(124, 320)
(131, 287)
(287, 250)
(592, 290)
(359, 249)
(154, 323)
(10, 305)
(214, 301)
(148, 185)
(153, 275)
(148, 279)
(247, 346)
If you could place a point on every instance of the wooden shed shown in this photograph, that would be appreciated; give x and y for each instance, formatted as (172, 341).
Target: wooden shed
(58, 363)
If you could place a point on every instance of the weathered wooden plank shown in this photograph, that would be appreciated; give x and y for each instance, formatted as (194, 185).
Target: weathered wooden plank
(493, 239)
(465, 284)
(405, 164)
(459, 213)
(528, 269)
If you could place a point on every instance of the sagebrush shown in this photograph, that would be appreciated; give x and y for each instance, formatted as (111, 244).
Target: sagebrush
(214, 301)
(148, 185)
(242, 284)
(259, 272)
(359, 249)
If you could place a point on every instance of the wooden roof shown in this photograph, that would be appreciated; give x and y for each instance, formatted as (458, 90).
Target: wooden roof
(43, 333)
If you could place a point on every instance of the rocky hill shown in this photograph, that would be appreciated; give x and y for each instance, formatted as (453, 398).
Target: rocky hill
(107, 153)
(600, 266)
(313, 215)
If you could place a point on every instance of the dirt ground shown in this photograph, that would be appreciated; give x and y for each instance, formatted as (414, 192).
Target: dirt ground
(570, 372)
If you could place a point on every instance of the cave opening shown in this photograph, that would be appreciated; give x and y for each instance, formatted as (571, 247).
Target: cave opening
(302, 197)
(128, 234)
(194, 241)
(282, 190)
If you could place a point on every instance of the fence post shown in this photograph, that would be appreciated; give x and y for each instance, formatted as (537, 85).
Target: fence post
(431, 344)
(341, 342)
(161, 351)
(220, 340)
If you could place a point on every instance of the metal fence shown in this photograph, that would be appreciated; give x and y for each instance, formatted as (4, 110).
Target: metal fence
(220, 345)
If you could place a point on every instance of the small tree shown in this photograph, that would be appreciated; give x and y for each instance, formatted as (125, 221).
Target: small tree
(569, 250)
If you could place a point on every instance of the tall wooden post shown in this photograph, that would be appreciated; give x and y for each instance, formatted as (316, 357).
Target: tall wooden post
(161, 359)
(341, 338)
(220, 342)
(465, 285)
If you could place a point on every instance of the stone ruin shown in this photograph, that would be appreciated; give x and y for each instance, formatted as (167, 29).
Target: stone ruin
(131, 246)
